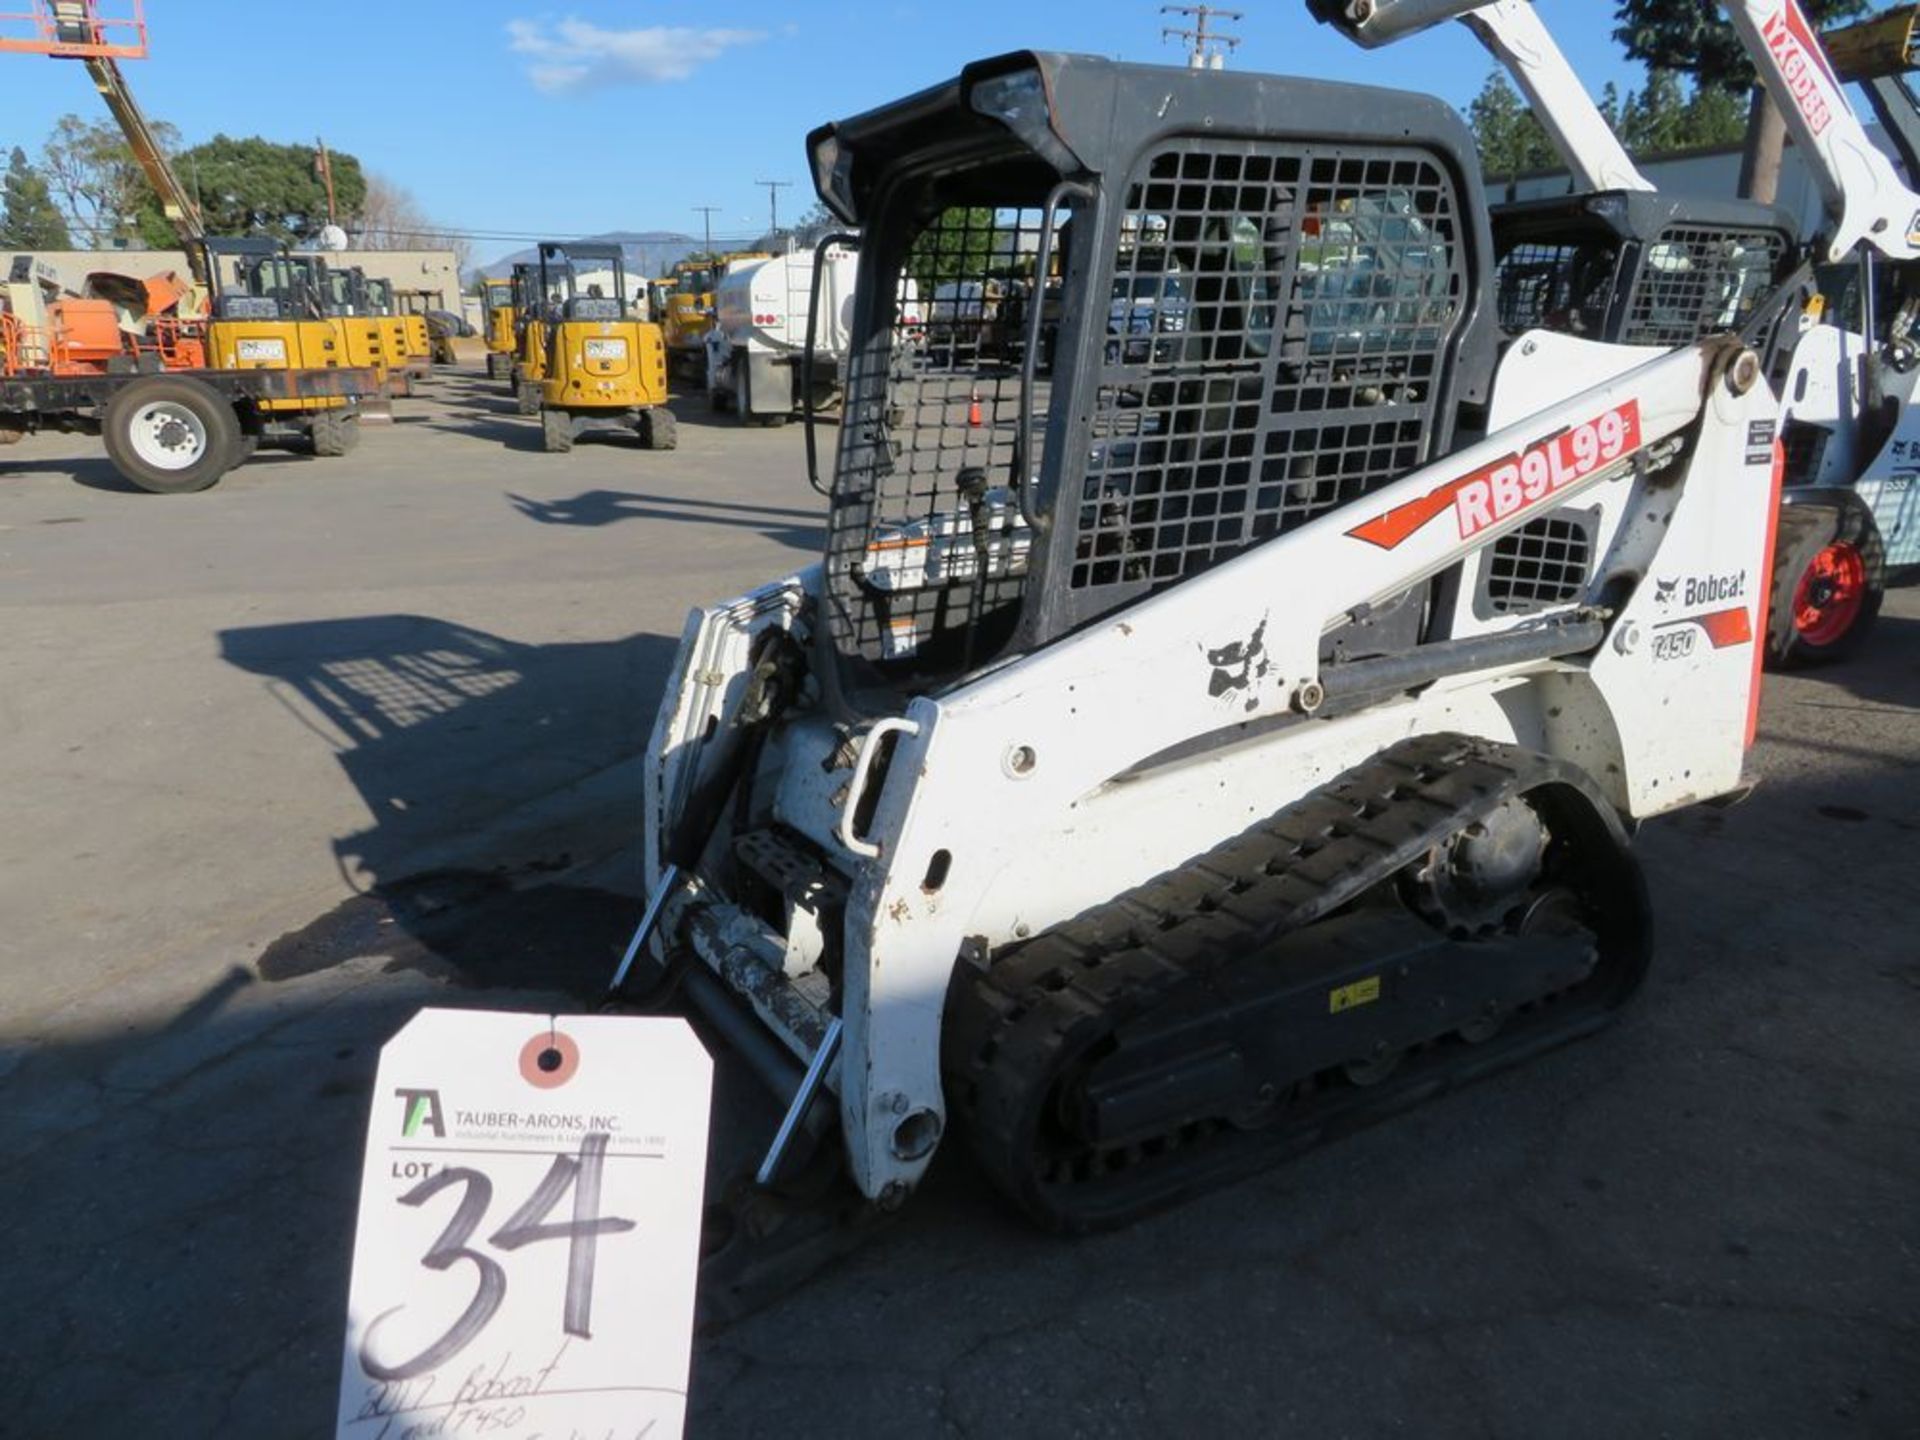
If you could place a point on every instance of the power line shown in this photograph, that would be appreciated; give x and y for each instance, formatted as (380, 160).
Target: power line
(1203, 44)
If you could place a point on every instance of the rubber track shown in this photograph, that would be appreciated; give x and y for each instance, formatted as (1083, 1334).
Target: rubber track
(1013, 1028)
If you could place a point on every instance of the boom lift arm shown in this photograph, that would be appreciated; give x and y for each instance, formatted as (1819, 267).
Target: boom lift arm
(1865, 199)
(1513, 35)
(179, 207)
(82, 30)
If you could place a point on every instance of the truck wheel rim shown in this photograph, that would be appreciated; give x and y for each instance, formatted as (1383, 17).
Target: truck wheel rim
(1831, 591)
(167, 436)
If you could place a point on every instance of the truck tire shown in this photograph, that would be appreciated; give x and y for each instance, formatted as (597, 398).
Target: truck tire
(526, 398)
(556, 431)
(334, 434)
(169, 434)
(658, 430)
(1828, 583)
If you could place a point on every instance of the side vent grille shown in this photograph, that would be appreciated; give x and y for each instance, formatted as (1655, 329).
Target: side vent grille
(1545, 562)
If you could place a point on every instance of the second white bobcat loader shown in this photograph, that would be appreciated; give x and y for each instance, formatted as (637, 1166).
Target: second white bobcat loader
(1612, 260)
(1215, 743)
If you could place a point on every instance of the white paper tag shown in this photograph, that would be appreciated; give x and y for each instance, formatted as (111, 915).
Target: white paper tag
(529, 1230)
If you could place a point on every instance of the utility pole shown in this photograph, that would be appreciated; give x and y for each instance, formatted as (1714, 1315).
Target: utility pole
(324, 164)
(774, 187)
(1204, 45)
(706, 214)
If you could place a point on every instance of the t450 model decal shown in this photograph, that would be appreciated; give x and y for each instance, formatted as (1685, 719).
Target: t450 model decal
(1503, 489)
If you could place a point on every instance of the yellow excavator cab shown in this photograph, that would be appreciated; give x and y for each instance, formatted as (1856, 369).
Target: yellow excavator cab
(497, 305)
(687, 311)
(362, 333)
(532, 301)
(265, 317)
(409, 345)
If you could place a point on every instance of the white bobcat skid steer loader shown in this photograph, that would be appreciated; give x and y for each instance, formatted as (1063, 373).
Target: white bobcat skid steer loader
(1616, 264)
(1231, 734)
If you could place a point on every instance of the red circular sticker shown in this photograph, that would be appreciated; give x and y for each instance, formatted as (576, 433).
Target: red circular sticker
(549, 1059)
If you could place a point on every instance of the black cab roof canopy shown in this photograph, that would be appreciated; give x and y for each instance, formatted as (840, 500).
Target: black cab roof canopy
(1082, 116)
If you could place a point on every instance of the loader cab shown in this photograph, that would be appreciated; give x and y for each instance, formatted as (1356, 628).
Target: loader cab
(265, 309)
(1637, 268)
(1162, 327)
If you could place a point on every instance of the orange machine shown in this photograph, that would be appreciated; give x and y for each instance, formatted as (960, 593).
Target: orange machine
(120, 323)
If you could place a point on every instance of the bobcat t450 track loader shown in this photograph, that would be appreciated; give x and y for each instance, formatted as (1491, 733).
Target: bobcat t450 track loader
(1205, 745)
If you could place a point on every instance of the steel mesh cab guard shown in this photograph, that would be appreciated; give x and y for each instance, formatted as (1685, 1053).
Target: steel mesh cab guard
(1638, 268)
(1276, 307)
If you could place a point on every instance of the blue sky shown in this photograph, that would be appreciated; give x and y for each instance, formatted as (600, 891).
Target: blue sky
(513, 119)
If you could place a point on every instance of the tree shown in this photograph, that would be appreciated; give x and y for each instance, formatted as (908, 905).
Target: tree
(98, 184)
(253, 186)
(30, 220)
(815, 226)
(958, 244)
(390, 218)
(1508, 136)
(1689, 36)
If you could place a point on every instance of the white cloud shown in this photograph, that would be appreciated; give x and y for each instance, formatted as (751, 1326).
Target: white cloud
(575, 55)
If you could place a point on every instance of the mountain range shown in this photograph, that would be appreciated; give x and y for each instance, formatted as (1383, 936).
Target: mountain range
(649, 253)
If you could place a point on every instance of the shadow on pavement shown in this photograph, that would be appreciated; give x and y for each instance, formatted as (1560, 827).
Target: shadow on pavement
(1697, 1222)
(801, 529)
(443, 728)
(96, 472)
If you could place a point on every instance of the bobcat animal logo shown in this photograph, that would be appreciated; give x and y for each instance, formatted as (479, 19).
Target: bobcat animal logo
(1663, 590)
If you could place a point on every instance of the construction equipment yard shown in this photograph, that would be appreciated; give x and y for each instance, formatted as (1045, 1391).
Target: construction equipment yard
(338, 739)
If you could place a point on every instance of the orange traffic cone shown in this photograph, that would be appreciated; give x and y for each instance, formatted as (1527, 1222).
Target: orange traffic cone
(973, 409)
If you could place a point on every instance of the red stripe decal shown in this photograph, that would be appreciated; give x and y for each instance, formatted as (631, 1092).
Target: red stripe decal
(1727, 627)
(1496, 493)
(1765, 612)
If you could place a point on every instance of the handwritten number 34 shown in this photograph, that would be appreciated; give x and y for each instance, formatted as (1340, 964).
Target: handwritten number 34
(523, 1227)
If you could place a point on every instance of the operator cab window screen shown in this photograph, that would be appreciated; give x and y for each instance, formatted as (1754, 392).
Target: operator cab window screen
(1558, 284)
(1275, 331)
(1697, 281)
(927, 529)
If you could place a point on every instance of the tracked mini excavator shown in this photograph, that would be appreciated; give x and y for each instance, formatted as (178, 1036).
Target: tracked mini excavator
(1195, 749)
(604, 367)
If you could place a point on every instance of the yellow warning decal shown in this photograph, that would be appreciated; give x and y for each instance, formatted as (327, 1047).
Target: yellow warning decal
(1357, 992)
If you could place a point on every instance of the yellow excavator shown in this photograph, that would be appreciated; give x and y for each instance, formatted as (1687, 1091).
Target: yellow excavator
(605, 367)
(265, 316)
(339, 292)
(531, 302)
(685, 311)
(497, 302)
(409, 345)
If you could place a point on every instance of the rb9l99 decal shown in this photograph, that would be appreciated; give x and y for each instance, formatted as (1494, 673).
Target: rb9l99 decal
(1499, 491)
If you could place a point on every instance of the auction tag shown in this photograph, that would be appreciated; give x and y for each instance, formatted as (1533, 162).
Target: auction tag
(529, 1230)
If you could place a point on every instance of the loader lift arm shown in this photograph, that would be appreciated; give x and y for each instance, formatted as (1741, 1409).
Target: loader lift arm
(1864, 198)
(1514, 35)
